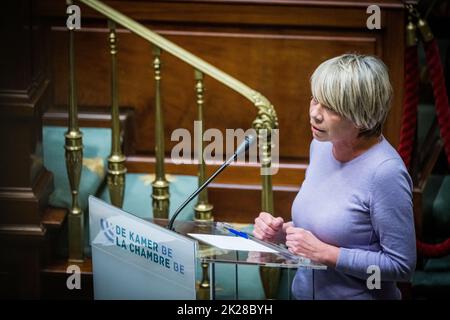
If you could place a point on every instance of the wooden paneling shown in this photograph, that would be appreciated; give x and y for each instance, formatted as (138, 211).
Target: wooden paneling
(271, 46)
(54, 278)
(25, 93)
(236, 192)
(289, 174)
(242, 203)
(350, 14)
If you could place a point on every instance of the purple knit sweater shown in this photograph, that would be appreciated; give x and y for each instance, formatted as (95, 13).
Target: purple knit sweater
(364, 207)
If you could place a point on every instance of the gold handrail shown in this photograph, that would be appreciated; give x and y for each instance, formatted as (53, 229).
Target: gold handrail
(173, 49)
(264, 123)
(266, 118)
(74, 162)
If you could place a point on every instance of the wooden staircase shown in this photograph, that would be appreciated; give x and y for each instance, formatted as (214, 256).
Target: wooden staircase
(53, 274)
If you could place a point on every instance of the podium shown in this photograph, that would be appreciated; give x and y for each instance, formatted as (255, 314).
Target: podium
(136, 259)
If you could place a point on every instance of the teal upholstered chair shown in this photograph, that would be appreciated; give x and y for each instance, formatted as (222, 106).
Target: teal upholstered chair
(433, 279)
(138, 190)
(95, 154)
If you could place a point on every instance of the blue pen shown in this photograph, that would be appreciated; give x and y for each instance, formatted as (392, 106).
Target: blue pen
(232, 230)
(238, 233)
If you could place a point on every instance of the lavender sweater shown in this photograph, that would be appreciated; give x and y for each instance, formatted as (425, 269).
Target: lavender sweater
(364, 207)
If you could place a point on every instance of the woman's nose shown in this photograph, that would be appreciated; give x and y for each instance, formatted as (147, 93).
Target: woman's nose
(315, 113)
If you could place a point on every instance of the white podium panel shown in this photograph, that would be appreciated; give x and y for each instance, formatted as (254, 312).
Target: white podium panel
(136, 259)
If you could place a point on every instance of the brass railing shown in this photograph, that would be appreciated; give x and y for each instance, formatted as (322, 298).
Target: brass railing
(116, 161)
(74, 162)
(160, 186)
(203, 209)
(264, 123)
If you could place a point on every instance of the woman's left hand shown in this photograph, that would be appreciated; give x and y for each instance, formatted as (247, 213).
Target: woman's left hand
(303, 243)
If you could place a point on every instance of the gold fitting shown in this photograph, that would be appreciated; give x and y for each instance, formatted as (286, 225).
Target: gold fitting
(203, 212)
(411, 38)
(425, 30)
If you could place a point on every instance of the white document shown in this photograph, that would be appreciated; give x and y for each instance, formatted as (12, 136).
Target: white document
(231, 242)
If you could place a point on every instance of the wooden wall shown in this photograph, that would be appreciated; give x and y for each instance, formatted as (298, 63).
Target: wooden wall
(25, 185)
(272, 46)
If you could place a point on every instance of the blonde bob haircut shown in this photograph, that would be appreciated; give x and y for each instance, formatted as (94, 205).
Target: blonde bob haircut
(356, 87)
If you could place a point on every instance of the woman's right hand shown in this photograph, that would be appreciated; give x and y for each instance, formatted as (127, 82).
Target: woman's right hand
(269, 228)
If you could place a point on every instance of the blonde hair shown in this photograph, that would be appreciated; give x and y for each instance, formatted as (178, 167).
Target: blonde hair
(357, 87)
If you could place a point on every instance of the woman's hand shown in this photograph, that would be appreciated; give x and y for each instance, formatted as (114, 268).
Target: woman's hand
(269, 228)
(303, 243)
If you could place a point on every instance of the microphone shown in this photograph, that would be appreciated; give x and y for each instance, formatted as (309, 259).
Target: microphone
(243, 147)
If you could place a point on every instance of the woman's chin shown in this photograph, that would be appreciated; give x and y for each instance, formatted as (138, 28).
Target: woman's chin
(320, 137)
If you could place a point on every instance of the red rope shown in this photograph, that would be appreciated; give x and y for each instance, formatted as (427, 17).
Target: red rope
(438, 250)
(440, 92)
(409, 120)
(443, 114)
(410, 102)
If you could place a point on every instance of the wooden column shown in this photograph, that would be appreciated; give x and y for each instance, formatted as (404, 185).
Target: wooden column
(24, 183)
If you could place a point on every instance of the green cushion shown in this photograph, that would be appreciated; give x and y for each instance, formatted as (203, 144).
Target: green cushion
(441, 211)
(138, 190)
(439, 265)
(425, 117)
(431, 279)
(97, 146)
(436, 273)
(429, 195)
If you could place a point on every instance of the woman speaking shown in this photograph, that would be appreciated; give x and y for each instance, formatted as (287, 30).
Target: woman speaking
(354, 209)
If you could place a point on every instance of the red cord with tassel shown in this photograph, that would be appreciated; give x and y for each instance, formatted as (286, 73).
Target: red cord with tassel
(410, 103)
(440, 92)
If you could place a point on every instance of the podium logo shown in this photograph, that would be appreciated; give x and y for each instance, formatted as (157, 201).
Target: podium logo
(108, 229)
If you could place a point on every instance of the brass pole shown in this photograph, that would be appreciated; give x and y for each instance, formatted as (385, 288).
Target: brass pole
(266, 161)
(203, 289)
(203, 209)
(160, 186)
(116, 160)
(270, 276)
(264, 123)
(74, 162)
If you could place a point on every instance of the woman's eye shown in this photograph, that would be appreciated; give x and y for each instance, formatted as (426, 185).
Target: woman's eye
(314, 100)
(329, 110)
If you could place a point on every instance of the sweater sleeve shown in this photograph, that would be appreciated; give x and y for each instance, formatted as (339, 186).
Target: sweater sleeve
(391, 214)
